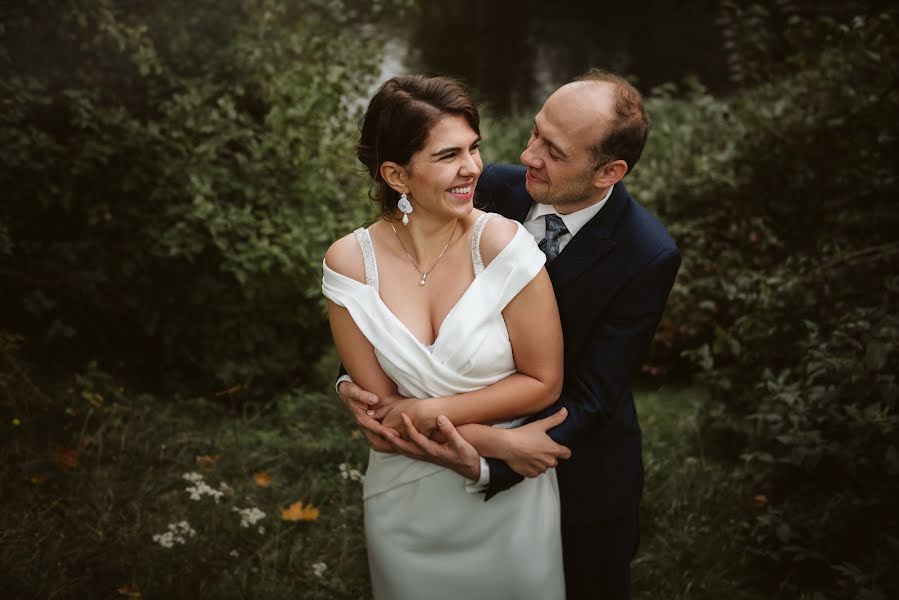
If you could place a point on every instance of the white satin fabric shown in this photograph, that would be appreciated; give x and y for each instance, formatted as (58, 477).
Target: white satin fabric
(427, 536)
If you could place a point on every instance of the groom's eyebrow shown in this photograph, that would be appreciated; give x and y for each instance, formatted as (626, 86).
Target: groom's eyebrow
(551, 145)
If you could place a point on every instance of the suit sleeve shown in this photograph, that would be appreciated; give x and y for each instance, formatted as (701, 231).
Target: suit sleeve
(602, 375)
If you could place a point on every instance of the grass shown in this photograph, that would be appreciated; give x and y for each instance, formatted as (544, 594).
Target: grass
(90, 475)
(90, 478)
(690, 508)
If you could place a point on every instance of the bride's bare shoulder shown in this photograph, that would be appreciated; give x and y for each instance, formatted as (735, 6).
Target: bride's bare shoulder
(345, 257)
(497, 234)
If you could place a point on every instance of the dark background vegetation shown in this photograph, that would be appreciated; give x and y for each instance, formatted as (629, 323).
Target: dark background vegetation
(171, 174)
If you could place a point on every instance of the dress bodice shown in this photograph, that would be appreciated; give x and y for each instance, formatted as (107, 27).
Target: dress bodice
(472, 348)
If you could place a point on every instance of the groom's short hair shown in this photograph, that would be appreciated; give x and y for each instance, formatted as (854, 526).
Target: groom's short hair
(627, 133)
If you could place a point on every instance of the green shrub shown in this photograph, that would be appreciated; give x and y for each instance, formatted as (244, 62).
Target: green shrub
(782, 198)
(172, 174)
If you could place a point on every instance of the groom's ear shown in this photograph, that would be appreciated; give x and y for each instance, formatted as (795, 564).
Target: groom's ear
(395, 176)
(609, 174)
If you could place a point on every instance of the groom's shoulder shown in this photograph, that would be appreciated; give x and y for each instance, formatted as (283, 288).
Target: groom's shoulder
(643, 228)
(498, 175)
(501, 188)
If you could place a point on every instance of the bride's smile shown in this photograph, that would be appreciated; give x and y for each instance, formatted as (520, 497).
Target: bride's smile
(442, 175)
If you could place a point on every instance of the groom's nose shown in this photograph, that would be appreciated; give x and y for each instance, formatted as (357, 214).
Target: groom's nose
(530, 158)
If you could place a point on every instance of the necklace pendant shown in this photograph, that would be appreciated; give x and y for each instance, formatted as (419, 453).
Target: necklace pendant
(424, 279)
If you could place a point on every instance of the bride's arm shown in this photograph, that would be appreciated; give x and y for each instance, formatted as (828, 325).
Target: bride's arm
(526, 449)
(355, 351)
(535, 333)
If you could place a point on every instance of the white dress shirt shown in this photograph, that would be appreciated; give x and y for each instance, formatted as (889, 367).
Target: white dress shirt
(535, 222)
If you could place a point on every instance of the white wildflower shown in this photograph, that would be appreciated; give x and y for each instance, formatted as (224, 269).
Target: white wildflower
(234, 553)
(319, 569)
(201, 488)
(166, 540)
(261, 530)
(193, 477)
(249, 516)
(351, 474)
(177, 533)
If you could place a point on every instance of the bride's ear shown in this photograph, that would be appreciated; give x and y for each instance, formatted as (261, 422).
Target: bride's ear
(395, 176)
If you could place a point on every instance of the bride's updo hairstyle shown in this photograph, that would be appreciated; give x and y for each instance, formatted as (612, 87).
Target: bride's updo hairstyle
(397, 123)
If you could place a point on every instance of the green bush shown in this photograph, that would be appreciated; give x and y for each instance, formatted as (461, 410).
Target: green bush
(172, 173)
(782, 198)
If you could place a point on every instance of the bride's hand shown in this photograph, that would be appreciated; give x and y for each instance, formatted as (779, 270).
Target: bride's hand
(359, 401)
(422, 412)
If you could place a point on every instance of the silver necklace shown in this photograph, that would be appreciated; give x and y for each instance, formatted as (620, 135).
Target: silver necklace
(424, 274)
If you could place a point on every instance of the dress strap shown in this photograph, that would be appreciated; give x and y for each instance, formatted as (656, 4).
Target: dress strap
(478, 228)
(368, 257)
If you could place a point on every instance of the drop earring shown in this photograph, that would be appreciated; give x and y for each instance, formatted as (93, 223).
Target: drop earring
(405, 207)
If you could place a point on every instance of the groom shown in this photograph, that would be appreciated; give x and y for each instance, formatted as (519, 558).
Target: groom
(612, 265)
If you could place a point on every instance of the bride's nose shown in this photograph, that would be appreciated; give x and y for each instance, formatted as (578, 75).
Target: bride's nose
(471, 166)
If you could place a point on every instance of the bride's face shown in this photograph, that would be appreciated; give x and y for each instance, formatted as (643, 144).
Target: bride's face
(443, 174)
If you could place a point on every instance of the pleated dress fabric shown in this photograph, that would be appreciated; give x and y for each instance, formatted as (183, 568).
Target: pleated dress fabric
(428, 536)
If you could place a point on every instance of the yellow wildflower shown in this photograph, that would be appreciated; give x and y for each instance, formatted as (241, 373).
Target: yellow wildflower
(298, 512)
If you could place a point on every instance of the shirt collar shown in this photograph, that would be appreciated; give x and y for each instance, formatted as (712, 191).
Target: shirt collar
(575, 221)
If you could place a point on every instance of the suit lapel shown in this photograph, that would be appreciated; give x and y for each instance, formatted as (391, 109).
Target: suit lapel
(592, 243)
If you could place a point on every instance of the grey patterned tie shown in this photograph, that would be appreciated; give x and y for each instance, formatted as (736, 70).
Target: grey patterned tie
(550, 244)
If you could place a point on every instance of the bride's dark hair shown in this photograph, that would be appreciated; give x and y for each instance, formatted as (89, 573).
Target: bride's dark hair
(398, 120)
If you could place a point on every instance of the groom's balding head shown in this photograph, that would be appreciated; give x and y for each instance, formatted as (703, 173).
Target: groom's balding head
(615, 113)
(587, 136)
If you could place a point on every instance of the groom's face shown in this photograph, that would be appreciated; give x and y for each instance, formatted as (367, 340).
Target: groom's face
(560, 165)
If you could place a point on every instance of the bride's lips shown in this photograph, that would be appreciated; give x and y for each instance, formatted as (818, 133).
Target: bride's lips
(462, 192)
(531, 177)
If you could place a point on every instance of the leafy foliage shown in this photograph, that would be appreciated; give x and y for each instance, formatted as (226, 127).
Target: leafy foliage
(782, 198)
(172, 174)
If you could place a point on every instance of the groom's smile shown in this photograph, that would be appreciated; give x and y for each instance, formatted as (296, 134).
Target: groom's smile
(531, 178)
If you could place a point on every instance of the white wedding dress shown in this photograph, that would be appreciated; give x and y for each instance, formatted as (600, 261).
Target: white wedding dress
(428, 536)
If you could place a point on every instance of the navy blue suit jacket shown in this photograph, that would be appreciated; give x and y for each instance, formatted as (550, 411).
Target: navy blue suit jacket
(611, 283)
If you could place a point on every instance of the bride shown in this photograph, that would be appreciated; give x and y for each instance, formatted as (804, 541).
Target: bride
(451, 308)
